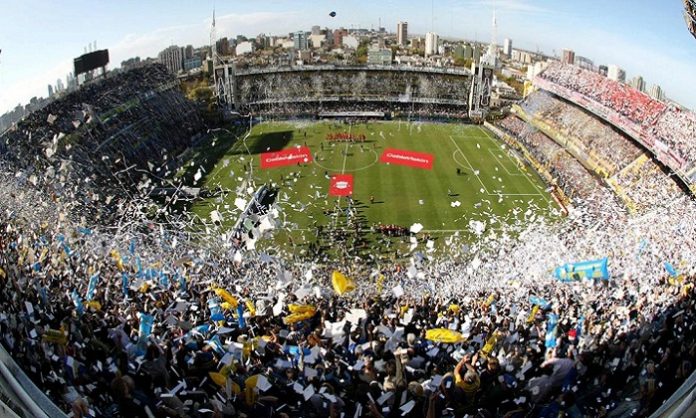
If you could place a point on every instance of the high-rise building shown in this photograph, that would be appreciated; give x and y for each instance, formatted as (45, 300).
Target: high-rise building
(637, 83)
(71, 81)
(476, 54)
(656, 92)
(50, 91)
(507, 47)
(172, 58)
(338, 37)
(262, 41)
(616, 73)
(402, 33)
(568, 56)
(316, 30)
(300, 40)
(603, 70)
(431, 41)
(59, 85)
(317, 41)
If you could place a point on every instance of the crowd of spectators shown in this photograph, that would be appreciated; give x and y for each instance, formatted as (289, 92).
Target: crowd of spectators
(389, 109)
(676, 130)
(109, 128)
(569, 174)
(142, 319)
(359, 85)
(653, 121)
(635, 105)
(598, 141)
(646, 185)
(109, 326)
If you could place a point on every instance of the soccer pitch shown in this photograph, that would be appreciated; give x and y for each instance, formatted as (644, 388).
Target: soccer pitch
(491, 179)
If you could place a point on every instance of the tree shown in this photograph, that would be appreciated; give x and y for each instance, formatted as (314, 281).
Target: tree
(361, 52)
(463, 62)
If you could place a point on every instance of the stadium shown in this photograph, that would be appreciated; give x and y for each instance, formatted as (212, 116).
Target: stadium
(349, 240)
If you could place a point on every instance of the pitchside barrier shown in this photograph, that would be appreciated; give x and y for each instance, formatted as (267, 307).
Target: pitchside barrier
(33, 398)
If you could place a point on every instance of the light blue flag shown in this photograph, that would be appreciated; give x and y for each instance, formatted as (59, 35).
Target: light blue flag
(92, 287)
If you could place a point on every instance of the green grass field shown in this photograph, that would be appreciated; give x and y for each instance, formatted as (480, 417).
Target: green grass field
(491, 179)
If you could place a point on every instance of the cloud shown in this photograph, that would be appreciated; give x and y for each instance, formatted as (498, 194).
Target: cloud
(148, 44)
(198, 34)
(23, 90)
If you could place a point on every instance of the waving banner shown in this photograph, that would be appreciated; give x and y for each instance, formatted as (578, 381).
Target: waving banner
(594, 269)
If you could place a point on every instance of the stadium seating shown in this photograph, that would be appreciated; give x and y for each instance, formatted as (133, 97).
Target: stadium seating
(428, 93)
(665, 129)
(133, 316)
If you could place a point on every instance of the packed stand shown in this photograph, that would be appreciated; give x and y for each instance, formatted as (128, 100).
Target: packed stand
(570, 175)
(598, 141)
(637, 106)
(121, 126)
(190, 332)
(654, 120)
(353, 86)
(646, 185)
(676, 129)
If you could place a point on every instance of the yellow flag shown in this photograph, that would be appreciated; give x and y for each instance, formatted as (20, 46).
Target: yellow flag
(218, 378)
(2, 273)
(490, 344)
(225, 295)
(250, 307)
(455, 308)
(299, 313)
(380, 284)
(444, 335)
(94, 305)
(117, 258)
(341, 283)
(249, 392)
(56, 336)
(532, 315)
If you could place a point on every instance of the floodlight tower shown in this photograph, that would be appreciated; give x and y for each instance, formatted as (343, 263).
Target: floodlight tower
(493, 47)
(213, 50)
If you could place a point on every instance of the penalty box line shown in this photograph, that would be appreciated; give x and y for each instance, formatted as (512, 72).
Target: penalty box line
(473, 171)
(513, 161)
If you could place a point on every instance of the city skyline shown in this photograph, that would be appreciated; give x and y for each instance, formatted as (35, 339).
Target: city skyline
(40, 39)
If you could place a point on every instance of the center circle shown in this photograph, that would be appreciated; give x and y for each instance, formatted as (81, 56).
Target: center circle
(345, 170)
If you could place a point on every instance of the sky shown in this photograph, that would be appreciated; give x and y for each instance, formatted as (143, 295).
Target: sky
(39, 38)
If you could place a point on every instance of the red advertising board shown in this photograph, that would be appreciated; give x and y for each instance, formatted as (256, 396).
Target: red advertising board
(407, 158)
(341, 185)
(286, 157)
